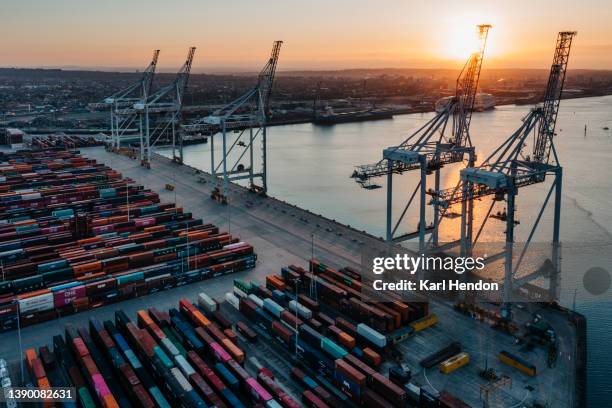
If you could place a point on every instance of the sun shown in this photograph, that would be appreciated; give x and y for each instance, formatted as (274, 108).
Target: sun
(459, 37)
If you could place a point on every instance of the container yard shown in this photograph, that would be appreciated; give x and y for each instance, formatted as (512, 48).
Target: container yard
(274, 326)
(77, 236)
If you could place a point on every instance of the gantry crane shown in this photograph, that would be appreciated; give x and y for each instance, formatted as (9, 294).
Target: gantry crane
(136, 92)
(159, 113)
(509, 168)
(430, 148)
(244, 118)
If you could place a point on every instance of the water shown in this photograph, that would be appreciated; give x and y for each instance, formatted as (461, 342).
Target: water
(310, 166)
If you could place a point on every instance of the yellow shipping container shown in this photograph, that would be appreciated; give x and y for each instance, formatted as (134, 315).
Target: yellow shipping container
(424, 322)
(518, 363)
(454, 363)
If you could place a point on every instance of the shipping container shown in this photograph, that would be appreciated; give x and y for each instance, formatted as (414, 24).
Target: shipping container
(455, 362)
(518, 363)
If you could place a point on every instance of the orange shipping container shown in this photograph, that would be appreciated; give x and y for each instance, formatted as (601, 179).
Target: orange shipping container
(91, 267)
(371, 357)
(143, 318)
(30, 357)
(199, 319)
(109, 402)
(233, 350)
(346, 340)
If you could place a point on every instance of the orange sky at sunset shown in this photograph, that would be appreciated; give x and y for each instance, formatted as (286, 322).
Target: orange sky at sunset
(318, 34)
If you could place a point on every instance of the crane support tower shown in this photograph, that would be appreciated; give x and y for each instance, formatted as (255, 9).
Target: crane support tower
(135, 93)
(515, 164)
(430, 148)
(242, 125)
(159, 114)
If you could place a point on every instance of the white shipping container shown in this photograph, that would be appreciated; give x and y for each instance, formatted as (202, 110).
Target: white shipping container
(30, 196)
(372, 335)
(36, 303)
(169, 347)
(302, 311)
(257, 300)
(238, 292)
(165, 275)
(273, 404)
(205, 301)
(232, 300)
(176, 373)
(185, 367)
(236, 245)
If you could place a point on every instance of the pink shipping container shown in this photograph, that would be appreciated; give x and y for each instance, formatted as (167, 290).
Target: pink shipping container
(103, 228)
(145, 222)
(220, 353)
(100, 385)
(258, 392)
(55, 228)
(67, 296)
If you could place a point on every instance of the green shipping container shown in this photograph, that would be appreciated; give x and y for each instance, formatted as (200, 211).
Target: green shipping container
(159, 398)
(332, 348)
(85, 398)
(163, 357)
(132, 277)
(107, 192)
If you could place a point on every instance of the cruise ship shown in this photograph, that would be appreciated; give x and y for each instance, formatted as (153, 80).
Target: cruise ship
(483, 102)
(332, 116)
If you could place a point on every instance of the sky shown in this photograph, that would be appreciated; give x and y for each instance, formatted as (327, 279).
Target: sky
(317, 34)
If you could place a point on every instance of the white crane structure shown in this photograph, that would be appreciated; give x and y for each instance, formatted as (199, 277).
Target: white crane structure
(242, 125)
(137, 92)
(159, 113)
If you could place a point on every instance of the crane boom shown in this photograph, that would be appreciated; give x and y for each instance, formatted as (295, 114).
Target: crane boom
(467, 86)
(506, 161)
(228, 113)
(429, 140)
(552, 97)
(266, 76)
(127, 96)
(148, 75)
(177, 87)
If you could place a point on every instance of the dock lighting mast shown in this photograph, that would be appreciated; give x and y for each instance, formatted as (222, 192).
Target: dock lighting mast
(508, 168)
(136, 92)
(445, 139)
(241, 123)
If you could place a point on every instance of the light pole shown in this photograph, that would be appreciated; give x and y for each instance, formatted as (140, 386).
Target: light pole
(296, 283)
(20, 344)
(311, 247)
(127, 199)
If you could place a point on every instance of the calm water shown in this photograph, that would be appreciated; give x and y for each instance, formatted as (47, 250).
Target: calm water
(310, 166)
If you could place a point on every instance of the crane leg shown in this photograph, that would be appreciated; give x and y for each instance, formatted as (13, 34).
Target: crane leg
(436, 235)
(507, 308)
(422, 221)
(389, 200)
(554, 279)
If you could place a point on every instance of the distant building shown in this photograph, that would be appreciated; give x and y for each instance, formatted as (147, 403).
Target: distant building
(13, 138)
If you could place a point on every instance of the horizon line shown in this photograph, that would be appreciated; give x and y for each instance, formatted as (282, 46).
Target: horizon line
(221, 70)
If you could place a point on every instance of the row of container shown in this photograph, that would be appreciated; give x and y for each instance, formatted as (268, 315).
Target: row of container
(70, 243)
(335, 347)
(183, 357)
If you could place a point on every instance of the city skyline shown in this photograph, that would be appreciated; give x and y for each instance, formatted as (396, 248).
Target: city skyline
(318, 35)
